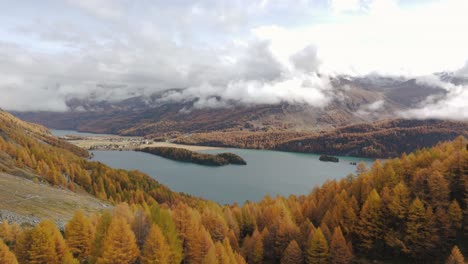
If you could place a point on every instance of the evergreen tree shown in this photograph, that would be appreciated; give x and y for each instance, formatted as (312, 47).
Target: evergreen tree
(292, 254)
(455, 214)
(60, 246)
(369, 227)
(78, 236)
(6, 256)
(317, 249)
(340, 253)
(42, 247)
(419, 230)
(101, 233)
(155, 249)
(23, 244)
(120, 244)
(456, 257)
(163, 218)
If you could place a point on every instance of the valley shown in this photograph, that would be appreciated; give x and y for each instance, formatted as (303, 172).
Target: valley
(234, 132)
(267, 172)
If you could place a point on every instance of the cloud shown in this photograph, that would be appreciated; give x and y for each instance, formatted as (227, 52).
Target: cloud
(306, 60)
(463, 72)
(313, 90)
(223, 53)
(452, 105)
(107, 9)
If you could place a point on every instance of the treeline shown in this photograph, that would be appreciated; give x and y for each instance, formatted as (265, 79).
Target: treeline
(185, 155)
(381, 139)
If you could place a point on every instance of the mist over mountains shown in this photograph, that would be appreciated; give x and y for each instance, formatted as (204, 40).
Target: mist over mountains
(223, 54)
(354, 100)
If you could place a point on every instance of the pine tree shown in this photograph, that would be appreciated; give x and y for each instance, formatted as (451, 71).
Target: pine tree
(420, 230)
(101, 232)
(340, 253)
(456, 257)
(120, 244)
(163, 218)
(292, 254)
(78, 236)
(253, 248)
(6, 256)
(155, 249)
(42, 248)
(59, 242)
(317, 249)
(439, 189)
(455, 214)
(23, 244)
(369, 227)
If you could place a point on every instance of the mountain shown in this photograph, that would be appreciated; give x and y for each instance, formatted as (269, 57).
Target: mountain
(356, 100)
(379, 139)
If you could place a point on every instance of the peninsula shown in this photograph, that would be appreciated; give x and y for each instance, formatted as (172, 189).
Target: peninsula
(184, 155)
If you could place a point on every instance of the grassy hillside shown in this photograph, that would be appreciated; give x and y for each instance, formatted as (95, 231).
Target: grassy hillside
(29, 202)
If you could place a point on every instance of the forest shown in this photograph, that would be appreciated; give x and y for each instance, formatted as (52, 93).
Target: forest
(185, 155)
(410, 209)
(381, 139)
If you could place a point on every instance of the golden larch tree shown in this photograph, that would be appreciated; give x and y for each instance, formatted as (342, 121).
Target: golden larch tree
(120, 244)
(456, 257)
(292, 254)
(155, 249)
(340, 253)
(78, 236)
(6, 256)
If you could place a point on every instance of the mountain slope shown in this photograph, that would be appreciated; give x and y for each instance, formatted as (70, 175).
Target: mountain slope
(30, 151)
(380, 139)
(354, 100)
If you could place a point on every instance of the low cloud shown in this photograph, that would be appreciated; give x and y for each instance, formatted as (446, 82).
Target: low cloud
(221, 54)
(453, 105)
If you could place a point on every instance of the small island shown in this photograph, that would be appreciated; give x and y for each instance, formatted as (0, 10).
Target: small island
(328, 158)
(184, 155)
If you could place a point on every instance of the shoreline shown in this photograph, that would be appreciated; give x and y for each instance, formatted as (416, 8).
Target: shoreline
(118, 143)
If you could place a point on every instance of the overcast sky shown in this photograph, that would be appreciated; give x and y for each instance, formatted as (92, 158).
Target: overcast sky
(252, 51)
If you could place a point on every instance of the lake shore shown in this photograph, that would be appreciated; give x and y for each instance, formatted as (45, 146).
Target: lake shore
(126, 143)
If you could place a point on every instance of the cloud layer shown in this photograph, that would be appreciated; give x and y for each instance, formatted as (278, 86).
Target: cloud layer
(250, 52)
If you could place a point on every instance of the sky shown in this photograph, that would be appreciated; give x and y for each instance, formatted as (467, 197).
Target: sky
(249, 51)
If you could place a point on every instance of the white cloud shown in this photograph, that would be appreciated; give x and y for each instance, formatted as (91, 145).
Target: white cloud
(223, 51)
(453, 106)
(340, 6)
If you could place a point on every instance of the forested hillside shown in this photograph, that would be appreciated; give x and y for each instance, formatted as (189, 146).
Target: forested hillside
(29, 150)
(381, 139)
(404, 210)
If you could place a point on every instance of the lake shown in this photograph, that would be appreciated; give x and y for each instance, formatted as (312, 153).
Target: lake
(266, 172)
